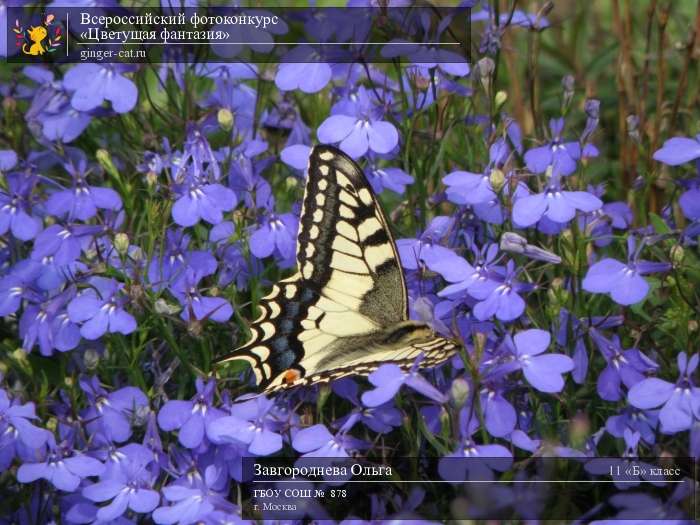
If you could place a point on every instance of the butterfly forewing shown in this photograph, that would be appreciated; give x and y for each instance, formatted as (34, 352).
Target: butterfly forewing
(333, 317)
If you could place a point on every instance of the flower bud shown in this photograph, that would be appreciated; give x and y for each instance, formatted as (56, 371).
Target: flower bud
(225, 119)
(459, 392)
(500, 99)
(579, 429)
(497, 179)
(162, 307)
(486, 66)
(567, 84)
(105, 160)
(9, 104)
(693, 326)
(633, 128)
(121, 243)
(151, 178)
(677, 255)
(291, 182)
(91, 358)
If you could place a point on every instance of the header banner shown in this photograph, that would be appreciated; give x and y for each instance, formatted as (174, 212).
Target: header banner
(422, 35)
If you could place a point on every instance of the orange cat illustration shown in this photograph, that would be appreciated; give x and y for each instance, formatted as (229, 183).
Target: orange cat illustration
(36, 35)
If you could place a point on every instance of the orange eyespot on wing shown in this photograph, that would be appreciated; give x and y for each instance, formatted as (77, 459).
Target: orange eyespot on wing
(291, 375)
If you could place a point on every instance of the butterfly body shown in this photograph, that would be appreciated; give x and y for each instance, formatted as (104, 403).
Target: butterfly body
(345, 311)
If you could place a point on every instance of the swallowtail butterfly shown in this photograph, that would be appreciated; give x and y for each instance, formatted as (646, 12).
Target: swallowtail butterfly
(345, 311)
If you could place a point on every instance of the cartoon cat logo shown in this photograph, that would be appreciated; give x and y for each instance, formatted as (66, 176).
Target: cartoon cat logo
(36, 35)
(40, 39)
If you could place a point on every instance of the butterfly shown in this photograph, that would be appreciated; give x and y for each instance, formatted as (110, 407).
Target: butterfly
(345, 311)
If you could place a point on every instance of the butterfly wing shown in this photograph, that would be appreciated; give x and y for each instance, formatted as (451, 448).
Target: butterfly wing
(335, 317)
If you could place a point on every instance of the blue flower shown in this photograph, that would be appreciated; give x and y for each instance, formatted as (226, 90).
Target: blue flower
(308, 75)
(554, 203)
(681, 401)
(15, 207)
(679, 150)
(109, 414)
(47, 323)
(171, 265)
(360, 130)
(193, 500)
(198, 306)
(624, 282)
(203, 201)
(251, 423)
(389, 378)
(277, 234)
(94, 83)
(191, 417)
(561, 156)
(63, 471)
(129, 486)
(101, 309)
(82, 201)
(17, 431)
(499, 296)
(317, 441)
(543, 372)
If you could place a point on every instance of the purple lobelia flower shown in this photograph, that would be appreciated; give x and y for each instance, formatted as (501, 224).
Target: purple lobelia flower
(464, 187)
(499, 414)
(360, 128)
(299, 71)
(47, 323)
(317, 441)
(195, 305)
(50, 108)
(17, 433)
(191, 417)
(626, 367)
(543, 372)
(562, 156)
(642, 421)
(463, 275)
(82, 201)
(15, 207)
(8, 159)
(202, 201)
(63, 243)
(92, 84)
(110, 413)
(381, 419)
(679, 150)
(101, 309)
(471, 461)
(554, 203)
(235, 266)
(394, 179)
(500, 297)
(251, 423)
(426, 249)
(166, 268)
(624, 282)
(198, 152)
(681, 401)
(128, 487)
(194, 499)
(277, 234)
(16, 285)
(388, 379)
(62, 469)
